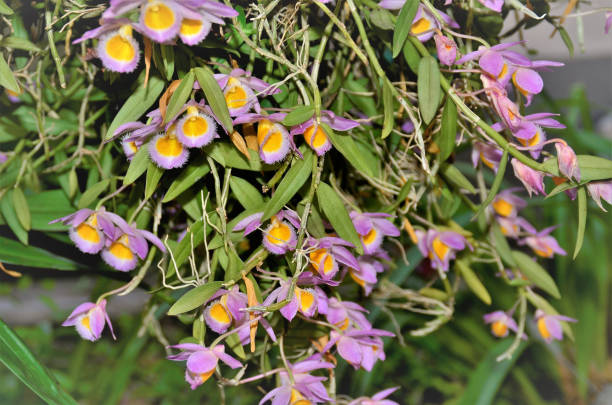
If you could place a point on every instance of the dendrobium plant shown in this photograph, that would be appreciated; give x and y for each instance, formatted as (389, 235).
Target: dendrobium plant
(341, 131)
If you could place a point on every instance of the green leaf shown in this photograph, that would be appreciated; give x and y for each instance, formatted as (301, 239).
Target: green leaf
(227, 155)
(403, 25)
(335, 211)
(412, 56)
(4, 9)
(10, 216)
(214, 96)
(22, 209)
(383, 19)
(501, 245)
(233, 341)
(291, 183)
(137, 166)
(448, 131)
(90, 195)
(167, 53)
(15, 355)
(486, 379)
(388, 110)
(456, 178)
(194, 297)
(592, 168)
(180, 96)
(582, 215)
(567, 40)
(363, 102)
(7, 80)
(473, 282)
(137, 104)
(349, 149)
(188, 177)
(499, 177)
(247, 195)
(47, 206)
(562, 187)
(298, 115)
(19, 43)
(428, 88)
(154, 174)
(535, 273)
(12, 252)
(234, 267)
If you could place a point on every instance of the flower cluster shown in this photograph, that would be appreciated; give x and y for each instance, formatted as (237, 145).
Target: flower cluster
(159, 20)
(102, 231)
(309, 267)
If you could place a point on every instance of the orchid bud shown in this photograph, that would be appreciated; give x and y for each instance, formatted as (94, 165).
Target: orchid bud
(447, 49)
(568, 163)
(531, 179)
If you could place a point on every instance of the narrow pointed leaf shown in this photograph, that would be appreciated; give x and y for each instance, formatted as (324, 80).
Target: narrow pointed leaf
(428, 88)
(90, 195)
(16, 356)
(13, 252)
(335, 211)
(592, 168)
(388, 110)
(10, 217)
(154, 174)
(22, 209)
(582, 216)
(180, 96)
(349, 149)
(448, 130)
(138, 165)
(214, 96)
(194, 298)
(188, 177)
(298, 115)
(247, 195)
(137, 104)
(535, 273)
(501, 245)
(7, 80)
(291, 183)
(403, 25)
(473, 282)
(456, 178)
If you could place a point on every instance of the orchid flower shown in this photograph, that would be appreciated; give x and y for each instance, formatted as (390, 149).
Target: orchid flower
(327, 253)
(549, 326)
(239, 89)
(89, 320)
(372, 227)
(201, 361)
(543, 244)
(315, 135)
(272, 137)
(279, 237)
(500, 322)
(440, 247)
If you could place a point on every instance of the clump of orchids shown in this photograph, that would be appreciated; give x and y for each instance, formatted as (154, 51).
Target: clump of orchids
(295, 156)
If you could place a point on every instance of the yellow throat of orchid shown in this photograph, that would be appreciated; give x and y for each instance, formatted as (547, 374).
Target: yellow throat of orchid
(119, 47)
(158, 16)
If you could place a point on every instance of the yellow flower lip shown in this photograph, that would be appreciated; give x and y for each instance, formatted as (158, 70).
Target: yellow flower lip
(158, 16)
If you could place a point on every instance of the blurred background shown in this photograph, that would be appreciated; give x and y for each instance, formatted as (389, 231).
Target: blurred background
(455, 365)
